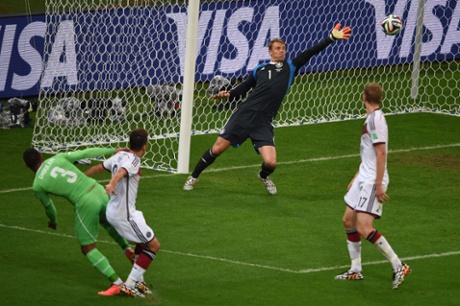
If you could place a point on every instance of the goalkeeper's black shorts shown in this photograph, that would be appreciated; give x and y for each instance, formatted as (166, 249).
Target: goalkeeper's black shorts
(249, 124)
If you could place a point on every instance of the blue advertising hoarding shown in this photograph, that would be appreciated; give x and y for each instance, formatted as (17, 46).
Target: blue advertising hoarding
(110, 49)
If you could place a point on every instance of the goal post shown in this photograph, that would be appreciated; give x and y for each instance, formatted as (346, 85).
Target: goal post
(189, 86)
(417, 49)
(114, 65)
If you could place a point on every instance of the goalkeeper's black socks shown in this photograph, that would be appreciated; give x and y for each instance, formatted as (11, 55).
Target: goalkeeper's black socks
(265, 172)
(205, 161)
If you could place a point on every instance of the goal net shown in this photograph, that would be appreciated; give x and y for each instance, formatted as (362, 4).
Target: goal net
(111, 66)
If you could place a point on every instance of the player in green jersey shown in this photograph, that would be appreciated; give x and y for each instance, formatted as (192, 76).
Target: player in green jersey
(59, 176)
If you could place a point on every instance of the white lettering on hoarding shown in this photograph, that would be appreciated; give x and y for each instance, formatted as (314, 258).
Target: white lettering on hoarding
(238, 40)
(430, 21)
(409, 30)
(270, 24)
(5, 54)
(269, 29)
(214, 41)
(64, 45)
(385, 42)
(30, 55)
(181, 20)
(248, 49)
(434, 25)
(453, 31)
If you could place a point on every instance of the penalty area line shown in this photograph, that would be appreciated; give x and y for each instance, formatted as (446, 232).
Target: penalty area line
(242, 263)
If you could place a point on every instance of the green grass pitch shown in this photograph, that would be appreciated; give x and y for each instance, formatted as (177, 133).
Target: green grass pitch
(229, 243)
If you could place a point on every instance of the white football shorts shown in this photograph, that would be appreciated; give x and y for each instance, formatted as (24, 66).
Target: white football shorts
(134, 229)
(361, 197)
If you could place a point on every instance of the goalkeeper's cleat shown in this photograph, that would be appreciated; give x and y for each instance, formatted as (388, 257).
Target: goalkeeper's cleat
(190, 182)
(400, 274)
(350, 275)
(113, 290)
(269, 185)
(142, 287)
(129, 252)
(131, 291)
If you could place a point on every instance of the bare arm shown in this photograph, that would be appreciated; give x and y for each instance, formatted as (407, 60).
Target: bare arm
(110, 187)
(100, 167)
(95, 170)
(381, 154)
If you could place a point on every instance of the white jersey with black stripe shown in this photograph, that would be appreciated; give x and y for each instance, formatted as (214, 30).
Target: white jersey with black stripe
(375, 131)
(122, 205)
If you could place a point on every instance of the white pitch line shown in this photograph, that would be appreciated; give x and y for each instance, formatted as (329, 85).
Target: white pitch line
(326, 158)
(242, 263)
(15, 189)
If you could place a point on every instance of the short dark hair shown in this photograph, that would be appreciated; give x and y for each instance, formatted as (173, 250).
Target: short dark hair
(274, 40)
(373, 93)
(137, 139)
(32, 158)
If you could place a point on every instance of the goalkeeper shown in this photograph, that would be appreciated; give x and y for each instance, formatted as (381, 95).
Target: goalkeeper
(253, 119)
(58, 175)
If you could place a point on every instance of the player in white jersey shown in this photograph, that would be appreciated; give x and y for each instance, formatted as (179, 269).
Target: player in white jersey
(122, 212)
(367, 192)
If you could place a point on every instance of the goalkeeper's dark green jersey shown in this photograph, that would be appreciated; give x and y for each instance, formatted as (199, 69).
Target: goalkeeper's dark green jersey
(59, 176)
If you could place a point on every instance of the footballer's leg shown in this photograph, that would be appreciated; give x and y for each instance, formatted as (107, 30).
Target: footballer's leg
(400, 269)
(147, 245)
(208, 157)
(122, 242)
(263, 139)
(86, 222)
(349, 221)
(205, 161)
(353, 245)
(101, 263)
(371, 210)
(98, 194)
(135, 279)
(268, 154)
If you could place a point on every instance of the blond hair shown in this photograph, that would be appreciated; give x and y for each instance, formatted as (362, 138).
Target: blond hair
(373, 93)
(274, 40)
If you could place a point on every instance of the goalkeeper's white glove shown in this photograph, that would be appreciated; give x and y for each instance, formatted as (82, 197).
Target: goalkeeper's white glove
(337, 34)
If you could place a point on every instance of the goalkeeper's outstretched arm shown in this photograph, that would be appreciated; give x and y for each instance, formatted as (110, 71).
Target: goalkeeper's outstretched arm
(239, 91)
(335, 34)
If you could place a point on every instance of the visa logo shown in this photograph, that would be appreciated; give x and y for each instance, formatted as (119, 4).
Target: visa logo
(214, 24)
(437, 40)
(56, 66)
